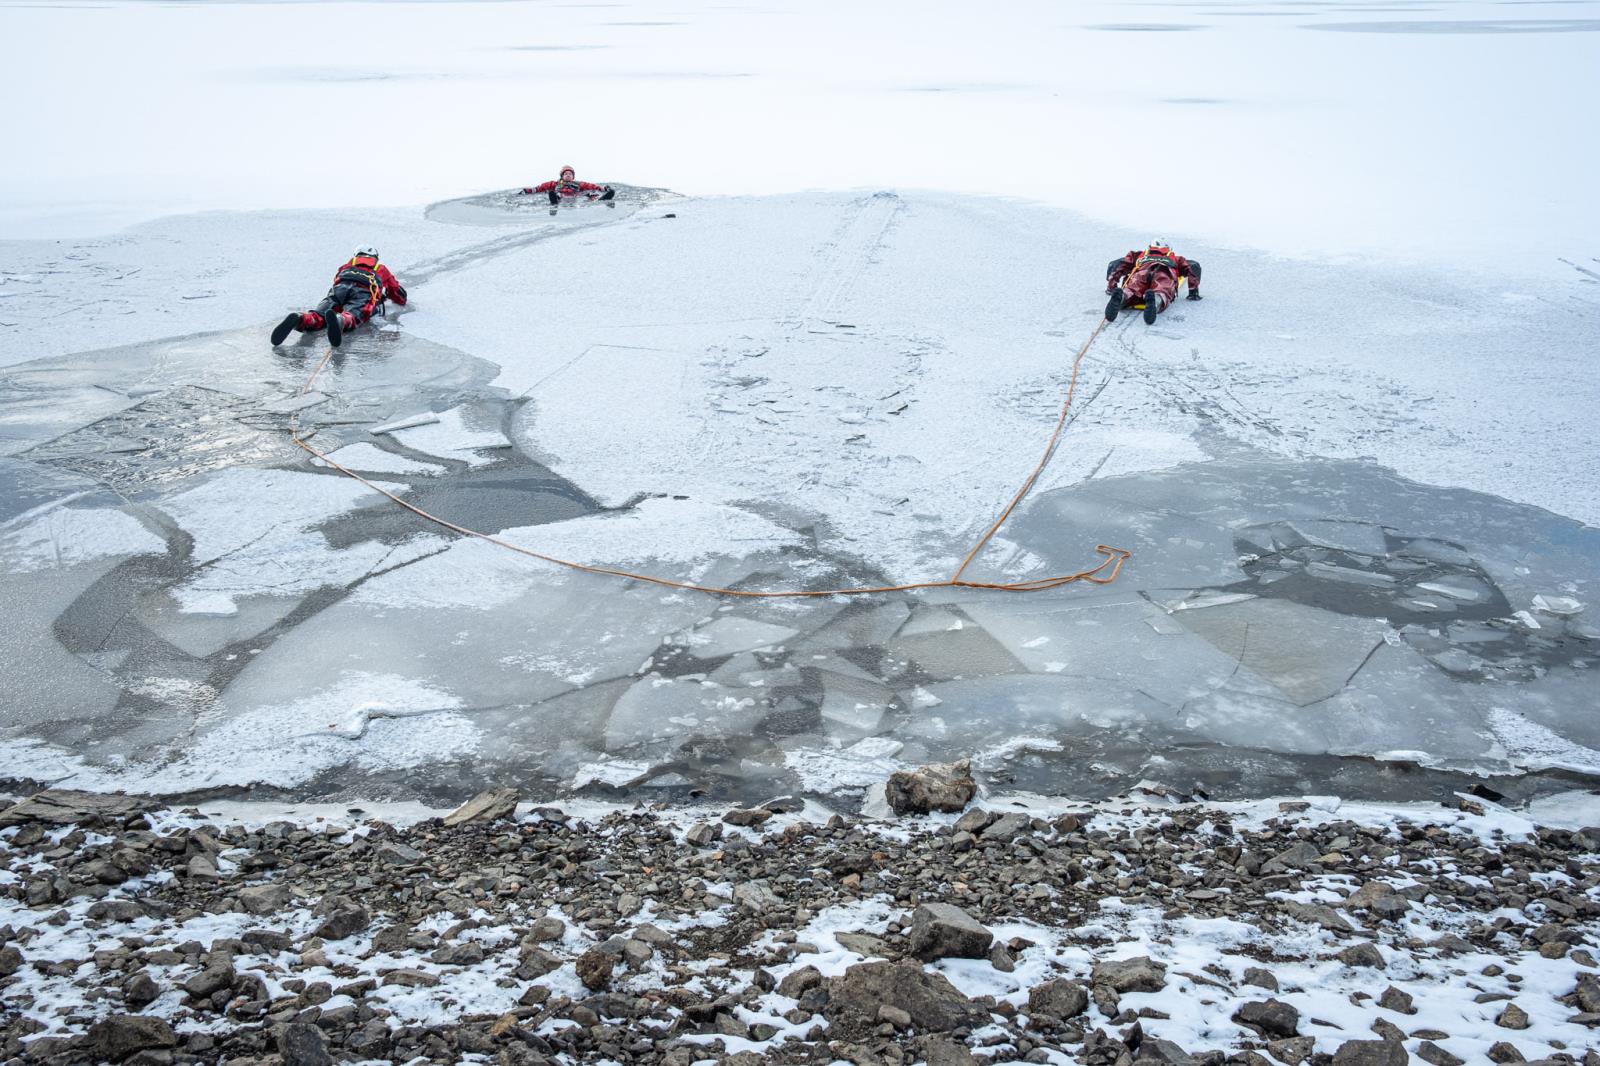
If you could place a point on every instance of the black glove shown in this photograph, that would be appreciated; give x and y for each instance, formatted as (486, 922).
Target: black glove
(1193, 295)
(524, 192)
(555, 197)
(608, 193)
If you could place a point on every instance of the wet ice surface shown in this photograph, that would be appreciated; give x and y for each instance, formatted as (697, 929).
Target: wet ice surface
(779, 394)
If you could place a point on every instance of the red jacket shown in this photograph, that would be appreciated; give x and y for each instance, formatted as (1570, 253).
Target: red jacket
(1176, 265)
(374, 273)
(566, 188)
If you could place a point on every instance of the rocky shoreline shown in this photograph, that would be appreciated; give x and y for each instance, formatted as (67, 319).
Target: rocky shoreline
(1146, 929)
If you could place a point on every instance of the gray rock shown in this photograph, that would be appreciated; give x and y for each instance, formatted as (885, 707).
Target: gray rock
(1387, 1030)
(1365, 954)
(140, 990)
(213, 978)
(1301, 856)
(866, 944)
(755, 895)
(61, 806)
(941, 931)
(933, 1003)
(397, 854)
(702, 834)
(536, 962)
(1588, 993)
(121, 1035)
(469, 953)
(10, 960)
(407, 978)
(202, 868)
(1432, 1053)
(1164, 1051)
(975, 821)
(936, 787)
(1059, 999)
(1140, 974)
(1255, 975)
(1512, 1017)
(1007, 828)
(1371, 1053)
(942, 1051)
(544, 930)
(796, 983)
(1379, 898)
(1270, 1017)
(486, 806)
(116, 910)
(303, 1045)
(1503, 1052)
(747, 817)
(894, 1016)
(1396, 1000)
(343, 921)
(1293, 1050)
(264, 899)
(1317, 914)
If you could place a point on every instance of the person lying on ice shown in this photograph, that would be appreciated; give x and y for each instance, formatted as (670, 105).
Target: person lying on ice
(358, 288)
(567, 187)
(1150, 277)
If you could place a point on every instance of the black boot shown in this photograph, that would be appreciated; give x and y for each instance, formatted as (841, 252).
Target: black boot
(1152, 307)
(284, 328)
(1114, 305)
(335, 328)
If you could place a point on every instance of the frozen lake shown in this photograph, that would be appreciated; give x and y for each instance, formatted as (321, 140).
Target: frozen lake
(1349, 573)
(1357, 480)
(1418, 128)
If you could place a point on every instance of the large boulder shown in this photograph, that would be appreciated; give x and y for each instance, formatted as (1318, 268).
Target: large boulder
(931, 1001)
(486, 807)
(63, 806)
(121, 1035)
(1271, 1018)
(264, 899)
(937, 787)
(302, 1044)
(1371, 1053)
(1380, 898)
(1060, 999)
(1140, 974)
(941, 931)
(343, 921)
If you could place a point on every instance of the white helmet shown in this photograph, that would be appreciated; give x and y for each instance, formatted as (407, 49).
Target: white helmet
(1158, 245)
(366, 251)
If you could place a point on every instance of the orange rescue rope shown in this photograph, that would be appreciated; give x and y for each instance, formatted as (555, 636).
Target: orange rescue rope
(1103, 573)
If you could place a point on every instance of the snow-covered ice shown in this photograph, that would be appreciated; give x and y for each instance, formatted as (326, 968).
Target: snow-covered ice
(1356, 480)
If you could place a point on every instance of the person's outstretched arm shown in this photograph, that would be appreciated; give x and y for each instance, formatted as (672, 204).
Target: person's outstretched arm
(1118, 269)
(392, 289)
(1190, 268)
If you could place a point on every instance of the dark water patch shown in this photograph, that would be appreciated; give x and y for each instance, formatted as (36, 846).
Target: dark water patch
(165, 440)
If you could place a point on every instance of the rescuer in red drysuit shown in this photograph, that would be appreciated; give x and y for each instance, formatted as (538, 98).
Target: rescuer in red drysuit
(359, 287)
(567, 187)
(1151, 277)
